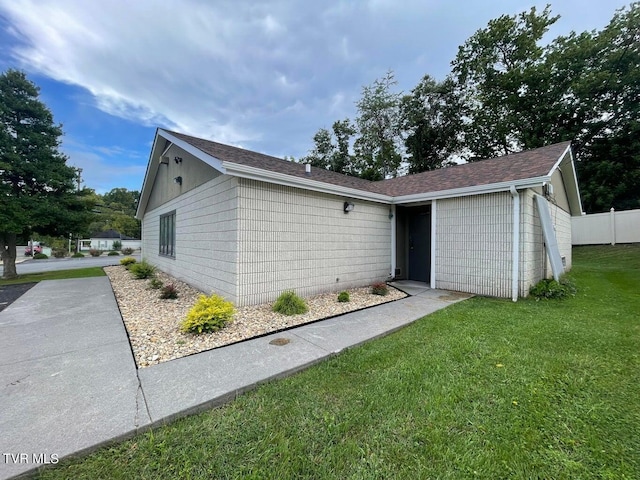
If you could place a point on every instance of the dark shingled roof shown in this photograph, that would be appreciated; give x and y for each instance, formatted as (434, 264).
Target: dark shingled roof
(509, 168)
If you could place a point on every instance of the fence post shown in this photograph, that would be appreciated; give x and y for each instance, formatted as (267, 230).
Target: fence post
(612, 222)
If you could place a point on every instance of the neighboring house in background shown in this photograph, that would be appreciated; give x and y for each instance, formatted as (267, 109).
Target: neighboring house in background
(249, 226)
(104, 241)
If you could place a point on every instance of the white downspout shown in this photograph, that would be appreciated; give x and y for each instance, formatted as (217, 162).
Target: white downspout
(515, 260)
(432, 275)
(392, 274)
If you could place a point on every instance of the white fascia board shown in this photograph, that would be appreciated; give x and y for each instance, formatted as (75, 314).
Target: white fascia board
(253, 173)
(196, 152)
(146, 189)
(559, 161)
(475, 190)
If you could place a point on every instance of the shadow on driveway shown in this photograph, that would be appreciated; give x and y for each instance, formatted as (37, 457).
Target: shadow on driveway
(10, 293)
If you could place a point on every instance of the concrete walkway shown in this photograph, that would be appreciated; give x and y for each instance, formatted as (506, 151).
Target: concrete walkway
(68, 381)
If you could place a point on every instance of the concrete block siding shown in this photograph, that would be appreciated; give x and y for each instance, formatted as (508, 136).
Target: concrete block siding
(291, 238)
(473, 244)
(206, 237)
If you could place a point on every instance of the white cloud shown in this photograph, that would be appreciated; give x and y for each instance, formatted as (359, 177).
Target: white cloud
(265, 75)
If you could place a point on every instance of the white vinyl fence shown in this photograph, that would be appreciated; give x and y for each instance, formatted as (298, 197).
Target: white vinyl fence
(600, 228)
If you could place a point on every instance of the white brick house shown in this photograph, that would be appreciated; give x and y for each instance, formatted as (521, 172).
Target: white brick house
(249, 226)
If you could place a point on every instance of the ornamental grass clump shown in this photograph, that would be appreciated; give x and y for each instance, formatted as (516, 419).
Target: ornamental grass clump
(288, 303)
(142, 270)
(209, 314)
(126, 262)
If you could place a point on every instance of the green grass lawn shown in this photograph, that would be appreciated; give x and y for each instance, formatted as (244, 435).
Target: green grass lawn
(485, 389)
(57, 275)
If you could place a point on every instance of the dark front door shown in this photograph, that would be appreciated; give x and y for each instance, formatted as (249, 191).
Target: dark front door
(420, 246)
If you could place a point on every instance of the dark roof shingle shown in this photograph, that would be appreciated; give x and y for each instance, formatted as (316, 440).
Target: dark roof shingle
(518, 166)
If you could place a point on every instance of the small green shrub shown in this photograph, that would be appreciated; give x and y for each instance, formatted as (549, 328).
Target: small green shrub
(127, 251)
(379, 288)
(142, 270)
(113, 253)
(116, 245)
(77, 255)
(127, 262)
(95, 253)
(548, 288)
(59, 252)
(288, 303)
(209, 314)
(343, 297)
(40, 256)
(155, 284)
(169, 292)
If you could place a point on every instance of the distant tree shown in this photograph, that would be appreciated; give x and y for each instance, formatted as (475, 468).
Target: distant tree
(37, 187)
(431, 118)
(116, 210)
(332, 149)
(378, 147)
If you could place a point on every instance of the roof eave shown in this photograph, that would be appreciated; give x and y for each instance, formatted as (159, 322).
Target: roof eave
(254, 173)
(474, 190)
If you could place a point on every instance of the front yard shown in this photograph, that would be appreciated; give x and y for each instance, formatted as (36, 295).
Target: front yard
(483, 389)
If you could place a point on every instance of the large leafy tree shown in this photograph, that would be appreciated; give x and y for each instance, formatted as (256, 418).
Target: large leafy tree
(431, 118)
(501, 77)
(332, 148)
(378, 147)
(37, 187)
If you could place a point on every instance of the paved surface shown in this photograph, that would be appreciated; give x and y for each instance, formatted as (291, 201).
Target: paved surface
(68, 381)
(27, 265)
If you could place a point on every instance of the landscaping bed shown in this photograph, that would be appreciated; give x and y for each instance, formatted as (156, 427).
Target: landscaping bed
(153, 324)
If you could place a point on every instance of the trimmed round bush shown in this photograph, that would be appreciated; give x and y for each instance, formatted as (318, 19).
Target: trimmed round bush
(112, 253)
(288, 303)
(77, 255)
(127, 251)
(59, 252)
(40, 256)
(343, 297)
(209, 314)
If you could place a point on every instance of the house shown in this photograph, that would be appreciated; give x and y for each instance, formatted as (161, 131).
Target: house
(249, 226)
(104, 241)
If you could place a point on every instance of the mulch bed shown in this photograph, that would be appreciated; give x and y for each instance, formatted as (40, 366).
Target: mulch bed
(10, 293)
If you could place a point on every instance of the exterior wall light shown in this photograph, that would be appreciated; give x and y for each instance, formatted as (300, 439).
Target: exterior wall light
(390, 214)
(178, 180)
(348, 207)
(177, 159)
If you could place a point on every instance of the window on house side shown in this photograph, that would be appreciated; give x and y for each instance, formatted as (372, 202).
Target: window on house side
(168, 234)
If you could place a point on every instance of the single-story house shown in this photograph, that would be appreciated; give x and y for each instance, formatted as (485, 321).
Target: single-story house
(104, 241)
(249, 226)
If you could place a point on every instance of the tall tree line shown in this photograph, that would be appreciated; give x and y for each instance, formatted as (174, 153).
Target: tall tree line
(507, 92)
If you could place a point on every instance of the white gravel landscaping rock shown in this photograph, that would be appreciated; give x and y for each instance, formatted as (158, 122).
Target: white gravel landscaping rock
(153, 324)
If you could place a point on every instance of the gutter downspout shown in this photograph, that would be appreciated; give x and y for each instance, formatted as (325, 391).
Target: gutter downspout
(432, 274)
(515, 260)
(392, 273)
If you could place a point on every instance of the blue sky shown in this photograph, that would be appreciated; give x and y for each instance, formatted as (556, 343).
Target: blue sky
(263, 75)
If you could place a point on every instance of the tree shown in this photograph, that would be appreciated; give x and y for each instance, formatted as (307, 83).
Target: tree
(431, 117)
(37, 188)
(504, 85)
(332, 149)
(378, 148)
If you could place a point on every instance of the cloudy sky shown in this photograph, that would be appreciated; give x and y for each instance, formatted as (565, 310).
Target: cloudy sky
(263, 75)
